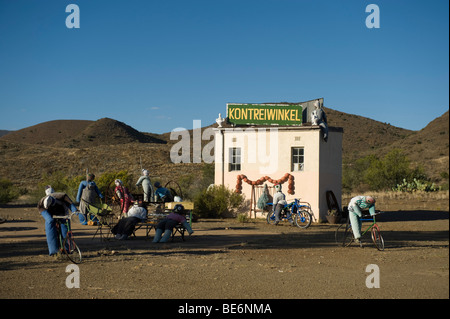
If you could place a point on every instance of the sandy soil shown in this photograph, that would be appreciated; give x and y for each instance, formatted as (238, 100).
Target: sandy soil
(227, 259)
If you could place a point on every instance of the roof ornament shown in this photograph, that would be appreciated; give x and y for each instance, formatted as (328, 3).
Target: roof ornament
(220, 120)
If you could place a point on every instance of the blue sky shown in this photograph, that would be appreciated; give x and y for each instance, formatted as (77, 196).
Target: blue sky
(159, 65)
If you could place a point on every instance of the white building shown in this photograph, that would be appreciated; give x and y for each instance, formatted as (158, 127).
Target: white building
(296, 155)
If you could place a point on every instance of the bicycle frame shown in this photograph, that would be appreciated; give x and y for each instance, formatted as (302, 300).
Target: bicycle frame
(58, 222)
(345, 230)
(362, 219)
(67, 243)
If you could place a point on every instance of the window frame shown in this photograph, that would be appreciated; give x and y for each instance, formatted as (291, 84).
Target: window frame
(235, 159)
(298, 158)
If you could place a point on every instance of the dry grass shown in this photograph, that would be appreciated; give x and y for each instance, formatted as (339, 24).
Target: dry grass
(390, 201)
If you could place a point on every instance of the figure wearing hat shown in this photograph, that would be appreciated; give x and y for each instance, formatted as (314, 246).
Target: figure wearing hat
(144, 180)
(50, 205)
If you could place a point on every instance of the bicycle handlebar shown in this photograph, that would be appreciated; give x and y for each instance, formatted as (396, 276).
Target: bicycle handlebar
(64, 216)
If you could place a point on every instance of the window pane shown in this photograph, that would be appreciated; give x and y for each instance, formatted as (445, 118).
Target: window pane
(297, 159)
(235, 159)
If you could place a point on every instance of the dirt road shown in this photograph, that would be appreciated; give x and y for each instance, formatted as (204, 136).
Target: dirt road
(227, 259)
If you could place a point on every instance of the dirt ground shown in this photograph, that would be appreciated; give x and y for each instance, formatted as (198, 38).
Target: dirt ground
(225, 259)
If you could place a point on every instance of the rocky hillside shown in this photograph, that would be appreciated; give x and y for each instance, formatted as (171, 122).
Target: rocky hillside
(108, 145)
(47, 133)
(80, 134)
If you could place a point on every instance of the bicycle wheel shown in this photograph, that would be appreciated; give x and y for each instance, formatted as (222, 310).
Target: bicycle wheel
(71, 249)
(344, 235)
(271, 218)
(303, 219)
(377, 238)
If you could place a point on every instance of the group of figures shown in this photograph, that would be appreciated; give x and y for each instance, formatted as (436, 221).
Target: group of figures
(88, 193)
(132, 211)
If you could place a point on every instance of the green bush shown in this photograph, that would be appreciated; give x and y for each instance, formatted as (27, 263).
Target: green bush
(106, 180)
(60, 182)
(217, 201)
(380, 174)
(9, 192)
(192, 184)
(69, 184)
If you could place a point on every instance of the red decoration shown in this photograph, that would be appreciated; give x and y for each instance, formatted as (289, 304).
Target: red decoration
(260, 181)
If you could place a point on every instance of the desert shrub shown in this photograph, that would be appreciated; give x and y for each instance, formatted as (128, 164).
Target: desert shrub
(60, 183)
(193, 184)
(243, 218)
(107, 180)
(69, 184)
(380, 174)
(217, 201)
(415, 185)
(9, 192)
(353, 173)
(389, 171)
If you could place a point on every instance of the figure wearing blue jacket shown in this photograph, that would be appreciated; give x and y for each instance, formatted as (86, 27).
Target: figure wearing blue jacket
(87, 192)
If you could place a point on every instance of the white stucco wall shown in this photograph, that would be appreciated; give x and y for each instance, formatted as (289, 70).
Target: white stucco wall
(267, 152)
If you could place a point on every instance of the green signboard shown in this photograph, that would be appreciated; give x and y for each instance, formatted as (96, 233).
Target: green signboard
(265, 114)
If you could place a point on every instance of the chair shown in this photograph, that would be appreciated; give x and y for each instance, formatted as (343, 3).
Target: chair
(103, 216)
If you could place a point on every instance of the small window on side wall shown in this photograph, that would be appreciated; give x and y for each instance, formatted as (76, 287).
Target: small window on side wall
(297, 159)
(235, 159)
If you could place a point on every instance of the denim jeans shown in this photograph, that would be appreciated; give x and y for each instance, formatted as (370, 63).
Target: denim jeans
(52, 233)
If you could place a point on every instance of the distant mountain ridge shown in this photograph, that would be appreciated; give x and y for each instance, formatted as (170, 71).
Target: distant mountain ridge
(110, 145)
(80, 133)
(4, 132)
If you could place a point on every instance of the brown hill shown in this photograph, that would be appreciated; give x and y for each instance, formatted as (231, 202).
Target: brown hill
(107, 131)
(107, 145)
(364, 136)
(428, 147)
(47, 132)
(80, 133)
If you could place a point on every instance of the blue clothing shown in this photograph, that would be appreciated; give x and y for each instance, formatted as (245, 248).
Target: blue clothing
(83, 185)
(52, 233)
(163, 193)
(355, 206)
(61, 207)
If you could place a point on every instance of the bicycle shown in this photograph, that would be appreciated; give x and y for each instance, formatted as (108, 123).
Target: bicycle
(294, 211)
(344, 234)
(67, 244)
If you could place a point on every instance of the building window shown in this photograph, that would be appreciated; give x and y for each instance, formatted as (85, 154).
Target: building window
(235, 159)
(297, 159)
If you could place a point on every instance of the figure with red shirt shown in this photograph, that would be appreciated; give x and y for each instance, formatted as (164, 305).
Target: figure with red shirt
(124, 195)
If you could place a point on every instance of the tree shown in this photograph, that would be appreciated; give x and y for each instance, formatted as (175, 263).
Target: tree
(388, 172)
